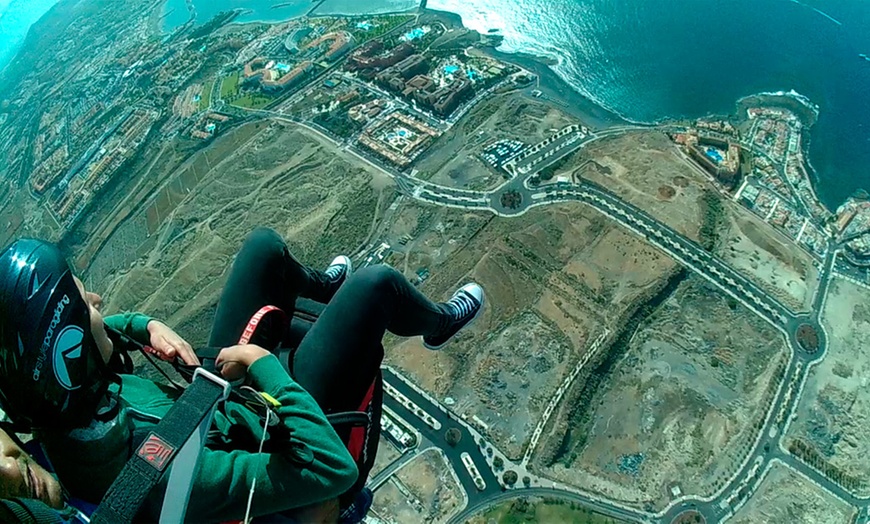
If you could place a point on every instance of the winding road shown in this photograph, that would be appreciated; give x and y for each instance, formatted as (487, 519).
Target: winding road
(767, 448)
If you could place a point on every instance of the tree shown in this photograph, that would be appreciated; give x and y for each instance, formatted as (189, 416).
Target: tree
(520, 506)
(808, 338)
(527, 481)
(511, 199)
(453, 436)
(510, 477)
(498, 462)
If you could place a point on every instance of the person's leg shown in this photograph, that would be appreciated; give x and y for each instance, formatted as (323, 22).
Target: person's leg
(342, 352)
(339, 358)
(263, 273)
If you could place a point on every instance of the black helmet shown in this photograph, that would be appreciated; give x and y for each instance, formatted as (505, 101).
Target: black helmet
(51, 372)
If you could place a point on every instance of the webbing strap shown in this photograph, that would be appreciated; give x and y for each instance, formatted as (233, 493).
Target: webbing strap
(145, 468)
(248, 333)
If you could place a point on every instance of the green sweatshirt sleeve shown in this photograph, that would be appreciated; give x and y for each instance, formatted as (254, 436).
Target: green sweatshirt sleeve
(221, 486)
(134, 325)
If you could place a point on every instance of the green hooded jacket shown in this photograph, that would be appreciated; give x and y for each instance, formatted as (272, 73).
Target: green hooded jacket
(88, 459)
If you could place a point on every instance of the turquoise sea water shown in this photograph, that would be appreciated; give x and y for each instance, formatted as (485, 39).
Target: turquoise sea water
(650, 60)
(263, 10)
(16, 17)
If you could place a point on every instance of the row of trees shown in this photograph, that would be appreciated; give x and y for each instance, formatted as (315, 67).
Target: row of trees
(714, 216)
(806, 452)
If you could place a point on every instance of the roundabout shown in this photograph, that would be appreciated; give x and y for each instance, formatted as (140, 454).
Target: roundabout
(808, 338)
(689, 517)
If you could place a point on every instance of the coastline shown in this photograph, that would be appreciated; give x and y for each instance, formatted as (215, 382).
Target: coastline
(559, 92)
(308, 14)
(808, 113)
(551, 85)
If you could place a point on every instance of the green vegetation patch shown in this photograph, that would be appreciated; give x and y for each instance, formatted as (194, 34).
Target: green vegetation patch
(338, 121)
(205, 97)
(577, 433)
(542, 510)
(230, 86)
(367, 28)
(252, 100)
(714, 219)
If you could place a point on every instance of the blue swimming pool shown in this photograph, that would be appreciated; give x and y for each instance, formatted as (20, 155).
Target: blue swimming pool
(414, 34)
(714, 155)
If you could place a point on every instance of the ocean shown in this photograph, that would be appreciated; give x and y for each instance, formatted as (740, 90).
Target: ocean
(649, 60)
(264, 10)
(16, 17)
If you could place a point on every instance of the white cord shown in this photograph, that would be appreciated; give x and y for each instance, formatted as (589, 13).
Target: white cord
(254, 482)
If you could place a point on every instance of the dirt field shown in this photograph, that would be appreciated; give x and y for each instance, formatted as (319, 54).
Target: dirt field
(646, 170)
(11, 218)
(768, 258)
(785, 496)
(423, 491)
(540, 510)
(22, 216)
(387, 454)
(681, 404)
(555, 278)
(455, 161)
(834, 410)
(158, 163)
(284, 178)
(393, 506)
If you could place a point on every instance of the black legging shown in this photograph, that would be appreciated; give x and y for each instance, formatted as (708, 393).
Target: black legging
(340, 355)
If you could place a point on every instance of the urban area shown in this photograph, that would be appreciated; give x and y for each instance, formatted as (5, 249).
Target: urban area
(675, 324)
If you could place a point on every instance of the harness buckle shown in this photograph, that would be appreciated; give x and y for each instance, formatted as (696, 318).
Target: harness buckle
(225, 386)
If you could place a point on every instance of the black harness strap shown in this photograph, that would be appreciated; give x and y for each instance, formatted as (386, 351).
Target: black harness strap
(144, 469)
(28, 511)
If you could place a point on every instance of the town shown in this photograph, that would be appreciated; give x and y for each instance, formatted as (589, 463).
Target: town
(445, 160)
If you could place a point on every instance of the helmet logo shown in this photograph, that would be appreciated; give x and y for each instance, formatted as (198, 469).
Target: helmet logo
(35, 285)
(67, 346)
(49, 335)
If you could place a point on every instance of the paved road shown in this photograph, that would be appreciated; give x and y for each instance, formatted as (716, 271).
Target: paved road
(493, 493)
(549, 151)
(714, 270)
(684, 249)
(466, 443)
(375, 482)
(589, 502)
(688, 253)
(824, 285)
(718, 272)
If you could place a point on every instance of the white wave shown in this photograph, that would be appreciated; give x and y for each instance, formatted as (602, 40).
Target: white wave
(803, 99)
(819, 11)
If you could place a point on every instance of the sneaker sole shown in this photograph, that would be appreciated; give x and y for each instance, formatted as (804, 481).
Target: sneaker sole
(348, 270)
(470, 322)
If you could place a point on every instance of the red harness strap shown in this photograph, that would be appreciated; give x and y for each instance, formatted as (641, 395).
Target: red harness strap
(357, 440)
(248, 333)
(358, 434)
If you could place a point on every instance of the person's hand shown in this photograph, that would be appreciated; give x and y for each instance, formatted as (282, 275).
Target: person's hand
(234, 361)
(168, 345)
